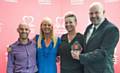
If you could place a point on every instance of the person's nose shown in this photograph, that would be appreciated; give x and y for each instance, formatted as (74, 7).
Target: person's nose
(24, 30)
(47, 26)
(68, 24)
(93, 15)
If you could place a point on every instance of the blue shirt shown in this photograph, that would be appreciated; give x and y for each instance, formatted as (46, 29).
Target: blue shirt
(46, 57)
(22, 58)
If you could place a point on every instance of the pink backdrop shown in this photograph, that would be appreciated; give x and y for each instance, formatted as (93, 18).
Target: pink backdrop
(32, 11)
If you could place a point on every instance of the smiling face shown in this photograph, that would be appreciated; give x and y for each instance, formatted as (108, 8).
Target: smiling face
(70, 23)
(46, 26)
(96, 13)
(23, 31)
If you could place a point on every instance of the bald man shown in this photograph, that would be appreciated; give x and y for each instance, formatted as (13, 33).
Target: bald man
(101, 39)
(22, 53)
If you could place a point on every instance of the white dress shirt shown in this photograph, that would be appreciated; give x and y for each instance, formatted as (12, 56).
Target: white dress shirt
(89, 34)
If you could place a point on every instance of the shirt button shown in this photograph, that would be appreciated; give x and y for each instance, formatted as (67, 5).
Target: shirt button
(27, 67)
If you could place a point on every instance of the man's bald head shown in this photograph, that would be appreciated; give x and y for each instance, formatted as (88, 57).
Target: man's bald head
(23, 30)
(23, 24)
(96, 12)
(97, 6)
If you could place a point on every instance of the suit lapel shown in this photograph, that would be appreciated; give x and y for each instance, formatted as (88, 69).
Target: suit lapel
(98, 31)
(87, 31)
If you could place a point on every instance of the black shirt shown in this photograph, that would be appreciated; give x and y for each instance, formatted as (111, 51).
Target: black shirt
(68, 64)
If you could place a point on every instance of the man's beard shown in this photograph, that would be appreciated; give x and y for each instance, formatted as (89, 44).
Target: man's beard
(24, 36)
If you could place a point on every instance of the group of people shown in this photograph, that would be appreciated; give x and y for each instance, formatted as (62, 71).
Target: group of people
(91, 52)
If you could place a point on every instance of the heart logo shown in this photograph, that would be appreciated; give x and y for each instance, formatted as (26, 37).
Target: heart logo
(59, 26)
(28, 19)
(59, 20)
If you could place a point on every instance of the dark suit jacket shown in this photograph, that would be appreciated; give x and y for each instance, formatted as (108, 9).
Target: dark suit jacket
(99, 51)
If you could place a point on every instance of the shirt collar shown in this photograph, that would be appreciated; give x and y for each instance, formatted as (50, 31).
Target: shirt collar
(19, 43)
(97, 26)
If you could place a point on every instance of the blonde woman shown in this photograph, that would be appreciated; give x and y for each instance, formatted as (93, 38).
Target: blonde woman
(47, 45)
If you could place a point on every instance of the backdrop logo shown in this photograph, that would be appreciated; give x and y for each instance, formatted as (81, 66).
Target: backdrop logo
(47, 2)
(59, 27)
(12, 1)
(29, 20)
(76, 2)
(111, 1)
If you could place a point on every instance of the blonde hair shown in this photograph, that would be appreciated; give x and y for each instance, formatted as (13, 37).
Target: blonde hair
(42, 36)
